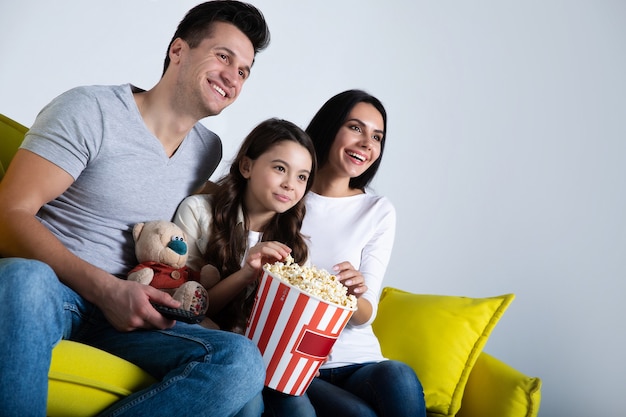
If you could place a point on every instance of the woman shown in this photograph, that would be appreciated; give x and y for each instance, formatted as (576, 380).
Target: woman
(351, 233)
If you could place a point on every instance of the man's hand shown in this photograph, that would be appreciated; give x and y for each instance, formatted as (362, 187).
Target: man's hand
(126, 305)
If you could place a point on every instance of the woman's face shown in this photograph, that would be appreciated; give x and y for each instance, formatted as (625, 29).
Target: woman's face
(358, 141)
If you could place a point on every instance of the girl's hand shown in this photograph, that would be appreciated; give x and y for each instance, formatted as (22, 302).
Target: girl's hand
(262, 253)
(351, 278)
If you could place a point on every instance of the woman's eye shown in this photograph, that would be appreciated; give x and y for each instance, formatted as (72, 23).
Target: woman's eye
(355, 128)
(377, 138)
(303, 178)
(280, 168)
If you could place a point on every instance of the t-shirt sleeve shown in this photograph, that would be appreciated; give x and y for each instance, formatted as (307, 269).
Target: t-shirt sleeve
(68, 131)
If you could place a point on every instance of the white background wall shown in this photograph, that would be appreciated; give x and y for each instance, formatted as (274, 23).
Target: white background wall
(506, 153)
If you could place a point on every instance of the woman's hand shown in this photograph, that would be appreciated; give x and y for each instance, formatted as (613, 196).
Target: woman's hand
(355, 282)
(351, 278)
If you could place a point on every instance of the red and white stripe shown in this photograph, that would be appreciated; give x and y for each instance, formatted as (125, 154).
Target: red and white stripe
(294, 332)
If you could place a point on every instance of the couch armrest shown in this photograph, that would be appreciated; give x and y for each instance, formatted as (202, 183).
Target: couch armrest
(495, 389)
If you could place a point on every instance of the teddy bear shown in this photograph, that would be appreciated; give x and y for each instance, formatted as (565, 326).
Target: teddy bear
(161, 250)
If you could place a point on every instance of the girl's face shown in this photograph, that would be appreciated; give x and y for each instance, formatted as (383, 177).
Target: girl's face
(277, 179)
(357, 144)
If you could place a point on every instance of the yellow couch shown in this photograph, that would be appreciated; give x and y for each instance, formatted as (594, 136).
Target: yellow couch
(441, 337)
(11, 135)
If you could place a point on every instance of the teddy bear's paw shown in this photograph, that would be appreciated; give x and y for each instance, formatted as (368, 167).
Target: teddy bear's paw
(209, 276)
(142, 276)
(193, 297)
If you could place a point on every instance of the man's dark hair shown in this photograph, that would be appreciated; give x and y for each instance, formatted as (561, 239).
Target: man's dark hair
(198, 24)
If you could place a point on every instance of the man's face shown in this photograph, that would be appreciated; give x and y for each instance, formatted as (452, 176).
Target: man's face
(212, 74)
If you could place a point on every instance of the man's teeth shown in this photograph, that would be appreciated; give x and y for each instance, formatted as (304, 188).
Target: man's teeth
(219, 90)
(357, 156)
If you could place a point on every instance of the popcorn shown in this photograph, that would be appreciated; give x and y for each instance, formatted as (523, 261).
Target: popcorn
(313, 281)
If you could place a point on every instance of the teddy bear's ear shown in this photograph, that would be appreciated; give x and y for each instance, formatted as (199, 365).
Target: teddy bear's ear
(137, 230)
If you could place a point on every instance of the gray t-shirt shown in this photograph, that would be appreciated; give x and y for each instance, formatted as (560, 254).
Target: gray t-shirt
(122, 174)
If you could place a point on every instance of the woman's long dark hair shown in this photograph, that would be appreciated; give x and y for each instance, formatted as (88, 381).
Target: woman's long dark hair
(326, 123)
(229, 239)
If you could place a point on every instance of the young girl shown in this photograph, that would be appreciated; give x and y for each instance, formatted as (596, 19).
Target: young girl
(349, 133)
(253, 216)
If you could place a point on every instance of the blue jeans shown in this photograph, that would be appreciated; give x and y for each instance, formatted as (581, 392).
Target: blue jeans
(201, 372)
(378, 389)
(278, 404)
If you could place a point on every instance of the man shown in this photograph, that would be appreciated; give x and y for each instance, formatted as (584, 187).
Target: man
(96, 161)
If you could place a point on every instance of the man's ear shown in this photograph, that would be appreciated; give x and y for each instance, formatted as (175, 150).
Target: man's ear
(176, 49)
(245, 166)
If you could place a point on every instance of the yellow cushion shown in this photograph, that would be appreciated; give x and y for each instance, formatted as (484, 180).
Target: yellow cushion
(84, 380)
(440, 337)
(11, 136)
(494, 389)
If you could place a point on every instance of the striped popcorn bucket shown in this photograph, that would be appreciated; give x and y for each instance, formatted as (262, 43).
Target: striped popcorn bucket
(294, 332)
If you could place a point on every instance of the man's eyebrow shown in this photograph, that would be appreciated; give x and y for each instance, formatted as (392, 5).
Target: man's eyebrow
(226, 49)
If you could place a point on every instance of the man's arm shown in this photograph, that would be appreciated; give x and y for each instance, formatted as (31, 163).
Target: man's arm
(29, 183)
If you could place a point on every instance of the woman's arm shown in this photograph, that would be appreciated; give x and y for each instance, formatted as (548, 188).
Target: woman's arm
(366, 282)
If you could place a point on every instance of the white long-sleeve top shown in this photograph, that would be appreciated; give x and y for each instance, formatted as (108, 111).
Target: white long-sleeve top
(194, 218)
(359, 229)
